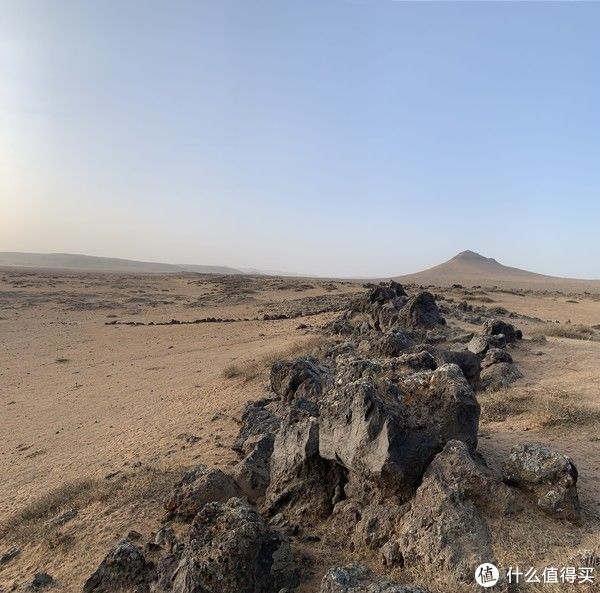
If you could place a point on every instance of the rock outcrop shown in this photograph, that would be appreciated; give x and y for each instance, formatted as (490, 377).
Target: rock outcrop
(372, 438)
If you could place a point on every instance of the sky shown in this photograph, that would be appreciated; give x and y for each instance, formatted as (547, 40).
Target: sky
(329, 137)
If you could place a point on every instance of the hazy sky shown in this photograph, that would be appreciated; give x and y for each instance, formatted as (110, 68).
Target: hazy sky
(333, 137)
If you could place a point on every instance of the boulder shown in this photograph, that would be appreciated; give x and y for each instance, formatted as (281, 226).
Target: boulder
(197, 487)
(494, 356)
(382, 304)
(546, 476)
(41, 580)
(301, 377)
(466, 473)
(393, 343)
(420, 311)
(230, 549)
(409, 363)
(444, 401)
(257, 419)
(342, 326)
(365, 427)
(352, 368)
(9, 555)
(445, 531)
(165, 538)
(386, 316)
(499, 375)
(302, 483)
(379, 294)
(468, 362)
(480, 344)
(123, 567)
(376, 524)
(253, 473)
(496, 327)
(387, 434)
(356, 578)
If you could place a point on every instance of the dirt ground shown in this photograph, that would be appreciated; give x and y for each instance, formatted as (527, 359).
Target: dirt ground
(103, 417)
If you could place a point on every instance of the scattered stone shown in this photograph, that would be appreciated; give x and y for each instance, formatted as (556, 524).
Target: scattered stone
(548, 477)
(62, 518)
(41, 580)
(134, 535)
(377, 435)
(9, 555)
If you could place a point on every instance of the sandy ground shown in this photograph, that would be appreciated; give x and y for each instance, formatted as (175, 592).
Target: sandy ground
(104, 418)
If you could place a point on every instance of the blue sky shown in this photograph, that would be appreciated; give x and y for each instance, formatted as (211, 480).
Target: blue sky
(333, 137)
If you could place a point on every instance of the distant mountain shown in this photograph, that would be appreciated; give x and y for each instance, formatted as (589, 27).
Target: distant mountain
(470, 268)
(90, 263)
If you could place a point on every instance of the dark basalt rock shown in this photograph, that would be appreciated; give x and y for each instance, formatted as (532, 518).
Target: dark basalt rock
(123, 567)
(421, 311)
(303, 483)
(257, 420)
(495, 327)
(197, 487)
(301, 377)
(356, 578)
(230, 549)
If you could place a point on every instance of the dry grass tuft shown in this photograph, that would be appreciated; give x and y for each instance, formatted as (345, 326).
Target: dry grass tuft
(29, 523)
(566, 330)
(480, 299)
(501, 405)
(543, 407)
(231, 371)
(563, 409)
(72, 494)
(255, 367)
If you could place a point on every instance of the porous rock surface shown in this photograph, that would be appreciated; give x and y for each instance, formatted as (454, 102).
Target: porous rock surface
(230, 549)
(548, 477)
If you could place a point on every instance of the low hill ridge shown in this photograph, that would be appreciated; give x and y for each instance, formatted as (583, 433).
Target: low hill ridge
(92, 263)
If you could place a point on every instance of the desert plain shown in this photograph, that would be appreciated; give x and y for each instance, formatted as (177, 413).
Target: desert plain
(112, 385)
